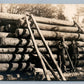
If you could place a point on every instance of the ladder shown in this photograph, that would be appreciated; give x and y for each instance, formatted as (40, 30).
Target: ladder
(41, 57)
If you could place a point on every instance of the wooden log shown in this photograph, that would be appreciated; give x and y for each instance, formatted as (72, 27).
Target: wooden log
(20, 35)
(48, 28)
(29, 50)
(50, 35)
(12, 66)
(25, 57)
(2, 34)
(54, 50)
(80, 57)
(13, 42)
(68, 75)
(57, 35)
(23, 65)
(58, 28)
(23, 42)
(16, 50)
(5, 17)
(13, 57)
(80, 63)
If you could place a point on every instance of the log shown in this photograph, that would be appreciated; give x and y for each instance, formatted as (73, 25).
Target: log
(80, 63)
(25, 57)
(5, 34)
(30, 50)
(13, 42)
(54, 50)
(2, 34)
(12, 66)
(68, 75)
(58, 28)
(56, 35)
(23, 65)
(13, 57)
(23, 42)
(11, 18)
(16, 50)
(80, 57)
(51, 35)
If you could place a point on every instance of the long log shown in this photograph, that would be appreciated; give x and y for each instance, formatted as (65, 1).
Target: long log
(79, 64)
(68, 75)
(12, 66)
(57, 35)
(58, 28)
(29, 50)
(25, 57)
(23, 42)
(80, 57)
(13, 57)
(49, 28)
(5, 17)
(51, 35)
(16, 50)
(13, 42)
(54, 50)
(5, 34)
(23, 65)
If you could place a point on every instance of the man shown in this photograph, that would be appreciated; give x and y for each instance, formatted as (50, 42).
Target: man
(61, 54)
(73, 52)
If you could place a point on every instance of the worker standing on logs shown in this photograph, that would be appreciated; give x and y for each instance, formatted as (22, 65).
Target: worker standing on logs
(61, 54)
(74, 53)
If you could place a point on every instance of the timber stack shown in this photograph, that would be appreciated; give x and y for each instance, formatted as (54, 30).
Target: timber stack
(17, 51)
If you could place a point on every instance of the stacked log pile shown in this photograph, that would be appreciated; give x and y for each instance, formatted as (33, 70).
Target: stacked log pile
(16, 46)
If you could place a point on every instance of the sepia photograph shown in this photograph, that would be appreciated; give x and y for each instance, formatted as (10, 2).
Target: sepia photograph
(42, 42)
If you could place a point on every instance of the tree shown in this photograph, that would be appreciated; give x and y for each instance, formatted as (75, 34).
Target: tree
(43, 10)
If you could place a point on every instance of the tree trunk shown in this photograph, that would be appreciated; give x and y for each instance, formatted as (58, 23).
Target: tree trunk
(8, 18)
(58, 28)
(13, 57)
(30, 50)
(12, 66)
(57, 35)
(16, 50)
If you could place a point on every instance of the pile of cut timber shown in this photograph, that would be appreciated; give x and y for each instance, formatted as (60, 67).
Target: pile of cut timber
(16, 46)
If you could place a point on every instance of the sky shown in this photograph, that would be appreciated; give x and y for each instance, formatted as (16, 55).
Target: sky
(70, 11)
(44, 1)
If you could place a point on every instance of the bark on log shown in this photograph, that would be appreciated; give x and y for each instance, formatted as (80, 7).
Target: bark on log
(16, 50)
(68, 75)
(51, 35)
(12, 66)
(15, 35)
(23, 42)
(15, 17)
(57, 35)
(30, 50)
(13, 42)
(25, 57)
(54, 50)
(79, 64)
(22, 66)
(13, 57)
(58, 28)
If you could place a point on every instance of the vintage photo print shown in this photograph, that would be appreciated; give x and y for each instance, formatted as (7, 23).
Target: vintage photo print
(42, 42)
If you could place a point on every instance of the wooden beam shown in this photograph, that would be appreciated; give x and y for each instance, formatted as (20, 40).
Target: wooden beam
(5, 17)
(13, 57)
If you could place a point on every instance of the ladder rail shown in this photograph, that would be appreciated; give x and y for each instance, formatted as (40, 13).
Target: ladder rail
(51, 69)
(37, 50)
(48, 49)
(70, 60)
